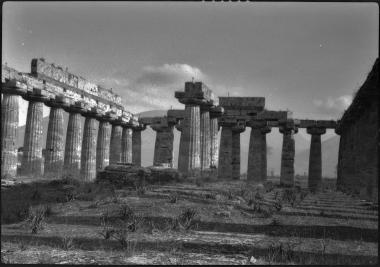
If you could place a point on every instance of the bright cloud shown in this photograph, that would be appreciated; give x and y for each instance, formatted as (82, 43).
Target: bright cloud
(154, 88)
(333, 105)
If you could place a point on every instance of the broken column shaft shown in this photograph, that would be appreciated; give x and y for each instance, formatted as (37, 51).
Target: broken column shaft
(55, 146)
(88, 156)
(288, 150)
(32, 164)
(74, 135)
(9, 126)
(315, 158)
(257, 155)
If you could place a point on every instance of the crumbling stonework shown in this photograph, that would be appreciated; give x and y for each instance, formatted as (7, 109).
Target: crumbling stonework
(358, 148)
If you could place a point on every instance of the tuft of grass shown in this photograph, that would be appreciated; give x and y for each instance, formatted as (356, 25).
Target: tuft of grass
(199, 182)
(185, 221)
(275, 222)
(282, 252)
(173, 198)
(67, 242)
(36, 218)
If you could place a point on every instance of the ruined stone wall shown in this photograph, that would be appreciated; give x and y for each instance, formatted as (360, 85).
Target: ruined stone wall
(358, 148)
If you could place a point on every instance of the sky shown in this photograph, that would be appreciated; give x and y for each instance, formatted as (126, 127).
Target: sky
(306, 57)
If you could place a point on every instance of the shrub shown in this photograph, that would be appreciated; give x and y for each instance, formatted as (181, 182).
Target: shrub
(185, 220)
(173, 198)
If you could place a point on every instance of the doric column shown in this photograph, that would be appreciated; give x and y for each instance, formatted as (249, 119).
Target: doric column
(205, 137)
(103, 143)
(55, 146)
(9, 125)
(229, 150)
(73, 146)
(264, 132)
(287, 157)
(225, 153)
(215, 113)
(315, 158)
(190, 139)
(115, 147)
(236, 130)
(136, 144)
(126, 144)
(339, 178)
(257, 155)
(195, 95)
(163, 148)
(90, 135)
(32, 164)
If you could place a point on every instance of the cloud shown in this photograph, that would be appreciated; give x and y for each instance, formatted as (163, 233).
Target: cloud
(154, 87)
(333, 105)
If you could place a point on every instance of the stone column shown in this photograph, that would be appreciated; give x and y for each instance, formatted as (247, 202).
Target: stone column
(74, 134)
(55, 146)
(190, 139)
(236, 152)
(225, 153)
(338, 171)
(32, 164)
(115, 147)
(136, 145)
(205, 143)
(103, 143)
(126, 145)
(257, 156)
(315, 158)
(9, 125)
(163, 148)
(215, 113)
(264, 132)
(287, 156)
(88, 156)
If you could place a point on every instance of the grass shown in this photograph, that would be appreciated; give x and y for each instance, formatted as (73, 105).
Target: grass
(36, 218)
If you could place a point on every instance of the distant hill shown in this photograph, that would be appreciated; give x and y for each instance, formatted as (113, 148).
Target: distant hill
(152, 113)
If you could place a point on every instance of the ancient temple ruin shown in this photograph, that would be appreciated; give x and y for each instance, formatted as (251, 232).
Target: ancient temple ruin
(111, 134)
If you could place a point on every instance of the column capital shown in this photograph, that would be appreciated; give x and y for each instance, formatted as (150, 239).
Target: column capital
(316, 130)
(161, 127)
(257, 124)
(37, 95)
(288, 130)
(265, 130)
(140, 127)
(77, 107)
(58, 102)
(94, 112)
(216, 111)
(14, 87)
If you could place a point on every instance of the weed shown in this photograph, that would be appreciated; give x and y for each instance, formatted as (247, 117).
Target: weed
(199, 182)
(229, 195)
(186, 218)
(173, 198)
(45, 258)
(36, 195)
(210, 196)
(123, 237)
(36, 217)
(67, 242)
(275, 222)
(140, 190)
(282, 252)
(22, 245)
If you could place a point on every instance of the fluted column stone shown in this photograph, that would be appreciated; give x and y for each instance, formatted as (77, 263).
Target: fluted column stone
(163, 147)
(214, 148)
(315, 158)
(126, 145)
(225, 153)
(9, 125)
(136, 145)
(287, 156)
(55, 147)
(235, 161)
(103, 143)
(205, 136)
(73, 146)
(190, 139)
(115, 147)
(32, 163)
(88, 155)
(264, 159)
